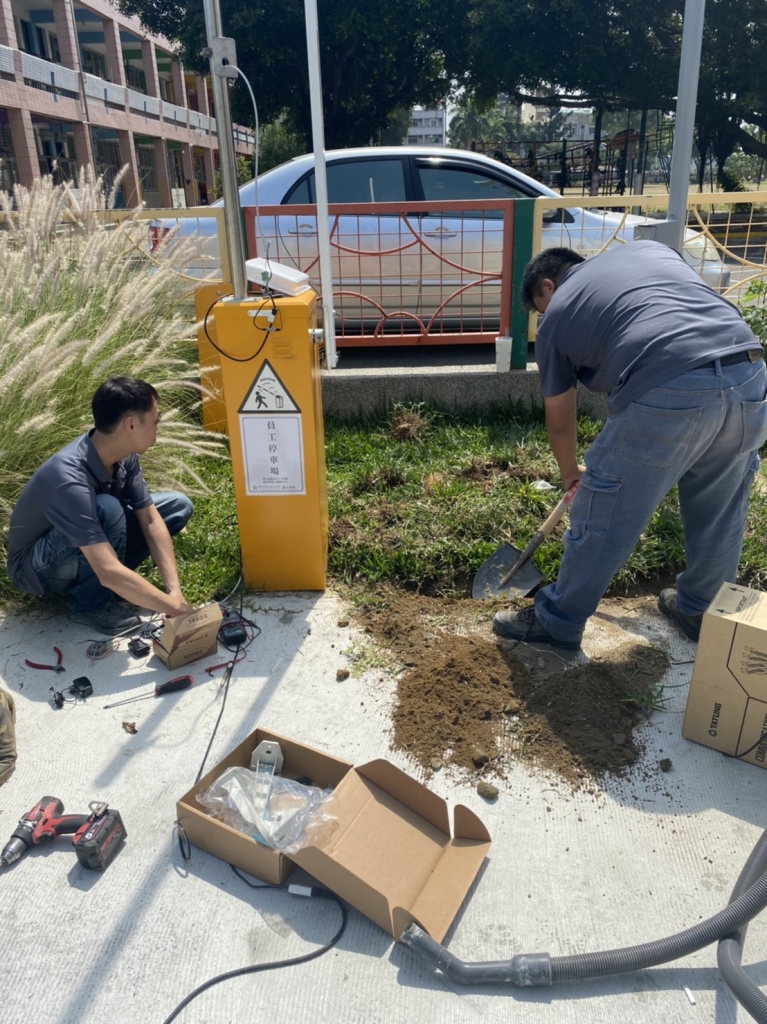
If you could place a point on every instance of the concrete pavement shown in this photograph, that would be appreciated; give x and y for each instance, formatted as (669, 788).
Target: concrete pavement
(632, 860)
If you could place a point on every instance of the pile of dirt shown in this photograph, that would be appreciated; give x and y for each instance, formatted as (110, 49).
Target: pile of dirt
(467, 699)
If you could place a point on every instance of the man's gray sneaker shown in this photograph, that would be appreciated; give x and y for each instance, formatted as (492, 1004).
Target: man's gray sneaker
(689, 624)
(7, 735)
(111, 619)
(525, 626)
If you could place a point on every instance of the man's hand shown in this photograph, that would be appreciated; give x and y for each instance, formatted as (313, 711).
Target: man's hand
(568, 481)
(183, 607)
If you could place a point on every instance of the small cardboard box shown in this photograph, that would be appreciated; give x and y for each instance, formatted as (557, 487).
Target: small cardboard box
(186, 638)
(392, 857)
(727, 701)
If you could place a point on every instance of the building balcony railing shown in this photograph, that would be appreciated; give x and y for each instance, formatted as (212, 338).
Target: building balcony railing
(99, 88)
(53, 77)
(7, 67)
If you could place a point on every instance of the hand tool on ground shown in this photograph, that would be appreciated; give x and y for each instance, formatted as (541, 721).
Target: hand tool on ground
(58, 667)
(179, 683)
(97, 836)
(509, 569)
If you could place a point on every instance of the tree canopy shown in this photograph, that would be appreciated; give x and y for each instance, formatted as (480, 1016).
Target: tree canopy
(379, 59)
(617, 56)
(375, 57)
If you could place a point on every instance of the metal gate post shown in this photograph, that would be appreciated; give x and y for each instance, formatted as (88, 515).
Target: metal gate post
(524, 210)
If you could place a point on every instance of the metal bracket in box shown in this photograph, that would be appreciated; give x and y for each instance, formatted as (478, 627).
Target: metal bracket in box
(267, 753)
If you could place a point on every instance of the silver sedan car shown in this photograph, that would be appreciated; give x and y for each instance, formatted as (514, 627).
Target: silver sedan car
(413, 270)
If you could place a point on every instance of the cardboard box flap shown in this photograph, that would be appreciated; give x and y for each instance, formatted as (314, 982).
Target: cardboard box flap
(197, 619)
(444, 891)
(363, 895)
(741, 604)
(419, 799)
(387, 852)
(468, 826)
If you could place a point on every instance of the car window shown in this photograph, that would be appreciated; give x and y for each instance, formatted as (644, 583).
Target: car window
(356, 181)
(440, 182)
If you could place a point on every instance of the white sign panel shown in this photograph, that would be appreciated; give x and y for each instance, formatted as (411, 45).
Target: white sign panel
(272, 453)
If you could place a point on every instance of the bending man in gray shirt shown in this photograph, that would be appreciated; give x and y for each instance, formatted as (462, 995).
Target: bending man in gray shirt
(686, 388)
(85, 520)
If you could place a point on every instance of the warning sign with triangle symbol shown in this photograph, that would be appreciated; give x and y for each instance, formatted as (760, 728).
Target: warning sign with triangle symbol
(267, 394)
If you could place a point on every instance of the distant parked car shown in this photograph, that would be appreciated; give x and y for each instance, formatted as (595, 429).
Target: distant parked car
(387, 263)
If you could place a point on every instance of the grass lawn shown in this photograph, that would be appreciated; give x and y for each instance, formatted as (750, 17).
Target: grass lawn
(421, 497)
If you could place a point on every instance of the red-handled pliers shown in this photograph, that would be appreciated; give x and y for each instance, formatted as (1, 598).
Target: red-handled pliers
(58, 667)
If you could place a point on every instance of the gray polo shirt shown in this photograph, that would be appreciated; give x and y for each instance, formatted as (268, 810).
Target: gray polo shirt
(62, 494)
(630, 319)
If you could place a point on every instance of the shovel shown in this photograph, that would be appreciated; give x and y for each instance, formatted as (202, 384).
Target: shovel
(511, 570)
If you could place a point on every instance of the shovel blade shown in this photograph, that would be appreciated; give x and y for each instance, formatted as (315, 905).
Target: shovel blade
(487, 582)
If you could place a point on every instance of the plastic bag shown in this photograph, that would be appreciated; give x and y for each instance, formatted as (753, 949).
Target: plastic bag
(274, 811)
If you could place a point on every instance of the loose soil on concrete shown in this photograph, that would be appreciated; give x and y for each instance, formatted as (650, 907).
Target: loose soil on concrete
(468, 700)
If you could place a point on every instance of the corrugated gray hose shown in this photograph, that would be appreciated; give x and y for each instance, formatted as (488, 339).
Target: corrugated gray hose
(748, 899)
(730, 949)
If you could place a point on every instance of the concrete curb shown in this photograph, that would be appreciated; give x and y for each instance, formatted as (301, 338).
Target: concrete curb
(348, 394)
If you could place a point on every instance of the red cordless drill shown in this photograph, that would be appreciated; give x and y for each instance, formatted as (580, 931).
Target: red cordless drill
(97, 837)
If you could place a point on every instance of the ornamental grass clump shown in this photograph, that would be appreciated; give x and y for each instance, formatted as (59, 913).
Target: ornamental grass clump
(81, 301)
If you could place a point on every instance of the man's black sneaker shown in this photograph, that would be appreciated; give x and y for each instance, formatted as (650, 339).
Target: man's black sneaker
(525, 626)
(111, 619)
(689, 624)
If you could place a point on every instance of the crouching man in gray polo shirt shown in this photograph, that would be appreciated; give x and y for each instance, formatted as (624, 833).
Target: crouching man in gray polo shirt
(687, 405)
(85, 520)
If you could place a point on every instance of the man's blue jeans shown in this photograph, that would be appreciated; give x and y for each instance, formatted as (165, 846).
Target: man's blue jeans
(61, 567)
(702, 431)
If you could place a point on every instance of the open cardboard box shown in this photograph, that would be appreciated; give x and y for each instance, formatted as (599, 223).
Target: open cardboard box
(727, 701)
(393, 856)
(186, 638)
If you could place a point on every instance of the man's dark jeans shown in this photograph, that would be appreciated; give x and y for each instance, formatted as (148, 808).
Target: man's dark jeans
(61, 567)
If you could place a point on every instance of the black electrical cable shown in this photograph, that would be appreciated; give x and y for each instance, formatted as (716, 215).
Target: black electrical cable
(227, 680)
(240, 359)
(274, 964)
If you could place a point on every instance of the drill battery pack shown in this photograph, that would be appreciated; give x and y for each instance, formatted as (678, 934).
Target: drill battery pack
(97, 842)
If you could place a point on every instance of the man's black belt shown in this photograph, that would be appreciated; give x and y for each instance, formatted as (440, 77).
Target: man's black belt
(751, 355)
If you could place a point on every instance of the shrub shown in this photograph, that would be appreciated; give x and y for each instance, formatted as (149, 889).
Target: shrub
(81, 302)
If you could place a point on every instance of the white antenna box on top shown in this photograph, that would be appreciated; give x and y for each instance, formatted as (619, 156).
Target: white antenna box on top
(276, 276)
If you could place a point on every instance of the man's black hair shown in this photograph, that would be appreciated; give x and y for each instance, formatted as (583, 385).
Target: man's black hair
(551, 263)
(119, 397)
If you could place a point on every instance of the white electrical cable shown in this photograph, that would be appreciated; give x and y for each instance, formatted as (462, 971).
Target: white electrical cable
(255, 159)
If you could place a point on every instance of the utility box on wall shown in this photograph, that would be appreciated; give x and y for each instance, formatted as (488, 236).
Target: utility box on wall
(270, 374)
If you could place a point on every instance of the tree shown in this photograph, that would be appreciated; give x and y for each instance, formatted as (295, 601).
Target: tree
(618, 56)
(374, 57)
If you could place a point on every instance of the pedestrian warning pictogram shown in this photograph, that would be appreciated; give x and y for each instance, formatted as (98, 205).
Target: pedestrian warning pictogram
(267, 394)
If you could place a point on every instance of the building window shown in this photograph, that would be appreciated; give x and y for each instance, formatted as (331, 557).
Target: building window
(94, 63)
(413, 140)
(135, 79)
(33, 39)
(55, 52)
(146, 168)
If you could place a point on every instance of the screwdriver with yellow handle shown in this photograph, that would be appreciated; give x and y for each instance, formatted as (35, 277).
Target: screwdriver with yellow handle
(179, 683)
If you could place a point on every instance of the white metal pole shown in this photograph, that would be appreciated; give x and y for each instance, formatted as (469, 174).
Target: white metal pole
(321, 181)
(235, 237)
(687, 95)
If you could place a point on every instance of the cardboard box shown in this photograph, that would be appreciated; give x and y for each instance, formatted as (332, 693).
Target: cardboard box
(727, 701)
(393, 856)
(186, 638)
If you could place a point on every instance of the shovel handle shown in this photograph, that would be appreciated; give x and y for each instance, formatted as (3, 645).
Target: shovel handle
(541, 535)
(559, 511)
